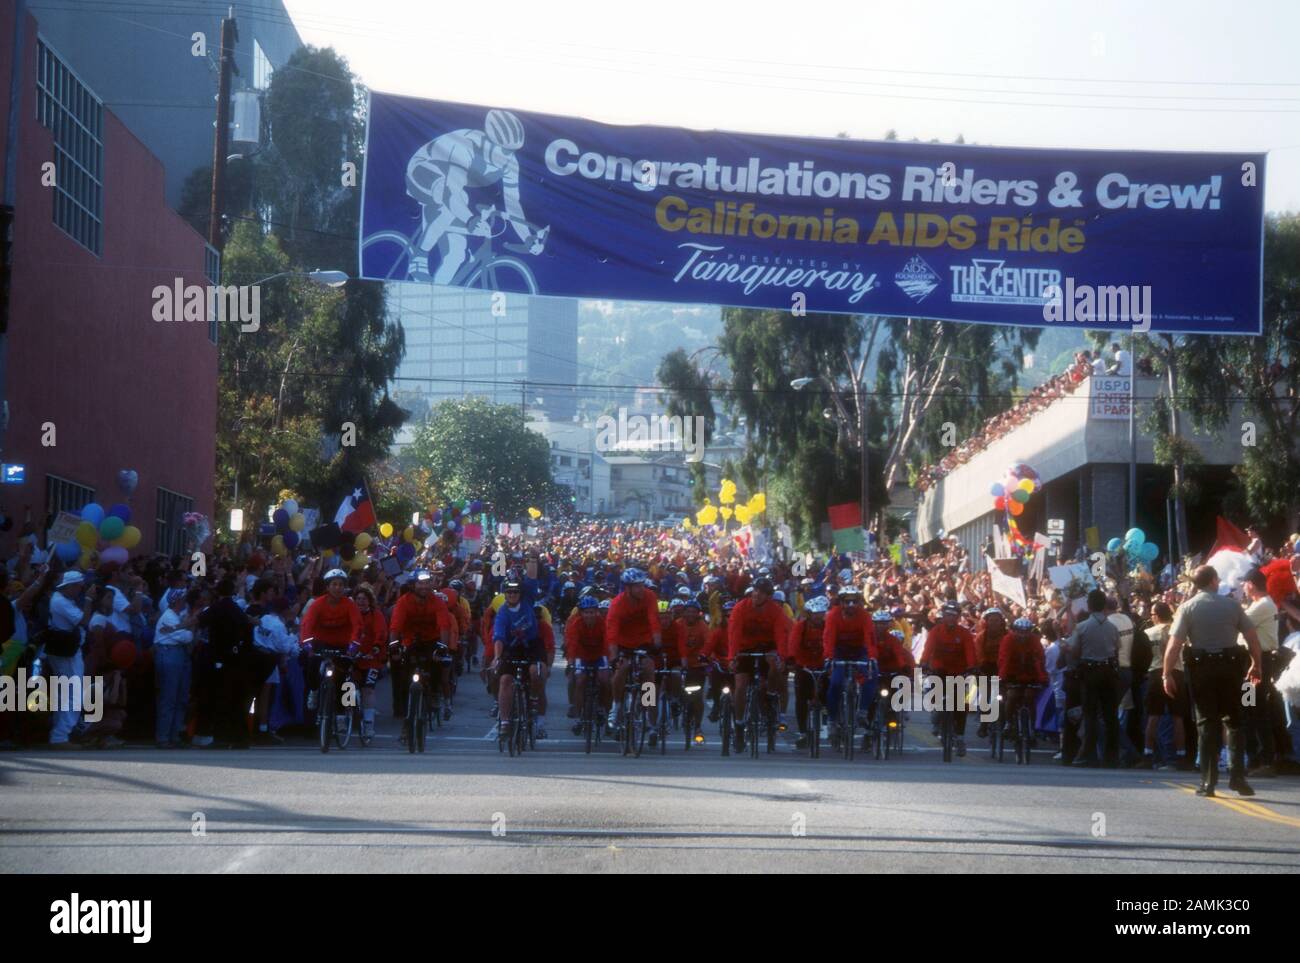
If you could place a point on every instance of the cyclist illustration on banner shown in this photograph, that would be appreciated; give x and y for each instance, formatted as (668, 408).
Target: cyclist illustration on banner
(440, 176)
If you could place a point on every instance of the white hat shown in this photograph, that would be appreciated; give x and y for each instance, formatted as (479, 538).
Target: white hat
(72, 577)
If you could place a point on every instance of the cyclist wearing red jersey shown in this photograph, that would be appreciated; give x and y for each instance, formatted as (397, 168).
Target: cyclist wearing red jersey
(848, 636)
(950, 651)
(758, 627)
(332, 621)
(1021, 663)
(374, 646)
(803, 651)
(420, 621)
(631, 623)
(988, 640)
(585, 647)
(718, 655)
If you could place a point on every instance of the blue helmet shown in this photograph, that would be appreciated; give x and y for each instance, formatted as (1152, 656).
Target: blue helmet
(632, 576)
(588, 602)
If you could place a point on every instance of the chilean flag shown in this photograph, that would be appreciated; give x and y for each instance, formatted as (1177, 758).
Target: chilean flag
(356, 514)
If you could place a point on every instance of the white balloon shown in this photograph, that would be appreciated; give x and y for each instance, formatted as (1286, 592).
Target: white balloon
(290, 506)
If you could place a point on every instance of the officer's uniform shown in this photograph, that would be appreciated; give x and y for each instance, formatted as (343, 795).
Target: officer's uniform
(1096, 640)
(1216, 667)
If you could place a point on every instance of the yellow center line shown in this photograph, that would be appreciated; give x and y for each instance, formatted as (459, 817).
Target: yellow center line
(1243, 807)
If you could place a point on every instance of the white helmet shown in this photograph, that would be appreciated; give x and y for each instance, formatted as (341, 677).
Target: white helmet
(334, 573)
(504, 129)
(819, 603)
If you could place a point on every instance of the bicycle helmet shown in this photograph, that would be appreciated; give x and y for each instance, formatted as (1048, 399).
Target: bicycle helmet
(1022, 624)
(511, 587)
(818, 606)
(421, 575)
(951, 608)
(632, 576)
(883, 617)
(588, 602)
(334, 573)
(763, 584)
(663, 605)
(690, 603)
(604, 603)
(728, 606)
(504, 129)
(992, 611)
(898, 634)
(683, 591)
(457, 584)
(569, 585)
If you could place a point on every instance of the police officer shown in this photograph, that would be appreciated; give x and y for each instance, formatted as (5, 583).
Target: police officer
(1208, 625)
(1095, 644)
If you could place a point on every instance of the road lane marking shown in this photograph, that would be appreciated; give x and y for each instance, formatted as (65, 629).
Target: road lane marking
(1244, 807)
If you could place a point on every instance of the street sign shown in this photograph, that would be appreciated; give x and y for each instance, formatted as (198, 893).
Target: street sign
(15, 474)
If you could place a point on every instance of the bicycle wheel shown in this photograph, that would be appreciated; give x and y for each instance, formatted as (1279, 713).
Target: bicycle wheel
(588, 714)
(415, 719)
(724, 724)
(391, 252)
(325, 713)
(880, 728)
(503, 274)
(946, 723)
(1025, 734)
(629, 710)
(773, 708)
(523, 712)
(641, 727)
(343, 735)
(663, 722)
(751, 717)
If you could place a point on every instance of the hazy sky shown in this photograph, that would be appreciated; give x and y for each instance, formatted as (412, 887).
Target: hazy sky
(1160, 74)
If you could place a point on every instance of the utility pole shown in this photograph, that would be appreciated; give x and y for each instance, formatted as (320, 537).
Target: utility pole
(1132, 431)
(221, 140)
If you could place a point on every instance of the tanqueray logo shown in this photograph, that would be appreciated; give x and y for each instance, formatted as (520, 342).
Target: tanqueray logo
(917, 279)
(454, 241)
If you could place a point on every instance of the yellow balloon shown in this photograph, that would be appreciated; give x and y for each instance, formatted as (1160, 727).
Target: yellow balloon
(277, 544)
(409, 533)
(87, 535)
(84, 561)
(743, 514)
(386, 530)
(686, 523)
(726, 513)
(1026, 484)
(534, 513)
(363, 540)
(130, 537)
(359, 561)
(758, 503)
(298, 522)
(707, 515)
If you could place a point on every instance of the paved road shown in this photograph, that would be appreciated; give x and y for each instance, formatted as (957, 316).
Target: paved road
(380, 809)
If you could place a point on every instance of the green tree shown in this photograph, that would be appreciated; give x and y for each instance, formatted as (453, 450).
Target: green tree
(321, 359)
(475, 449)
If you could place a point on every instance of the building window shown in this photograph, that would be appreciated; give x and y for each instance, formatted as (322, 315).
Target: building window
(62, 495)
(75, 117)
(169, 522)
(212, 269)
(566, 461)
(262, 69)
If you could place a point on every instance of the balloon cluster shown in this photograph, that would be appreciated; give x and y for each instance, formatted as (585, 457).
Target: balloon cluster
(110, 530)
(1135, 546)
(451, 517)
(1012, 494)
(352, 549)
(289, 524)
(743, 512)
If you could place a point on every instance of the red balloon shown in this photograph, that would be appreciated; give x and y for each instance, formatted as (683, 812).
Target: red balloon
(1000, 503)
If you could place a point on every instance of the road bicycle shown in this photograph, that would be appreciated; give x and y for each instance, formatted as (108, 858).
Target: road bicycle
(851, 699)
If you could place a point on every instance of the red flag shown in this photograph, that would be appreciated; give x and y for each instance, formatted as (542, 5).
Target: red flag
(356, 513)
(1228, 537)
(848, 515)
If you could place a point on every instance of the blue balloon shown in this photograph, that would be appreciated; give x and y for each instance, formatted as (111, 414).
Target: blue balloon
(93, 513)
(290, 539)
(451, 525)
(68, 552)
(281, 519)
(405, 552)
(475, 506)
(1135, 536)
(1114, 545)
(1150, 551)
(121, 511)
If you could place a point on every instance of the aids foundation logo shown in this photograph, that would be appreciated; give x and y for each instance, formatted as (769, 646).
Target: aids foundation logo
(917, 279)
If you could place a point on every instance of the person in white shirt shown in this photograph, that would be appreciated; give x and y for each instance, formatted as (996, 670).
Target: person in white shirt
(172, 643)
(1130, 702)
(1123, 364)
(66, 615)
(1261, 716)
(126, 600)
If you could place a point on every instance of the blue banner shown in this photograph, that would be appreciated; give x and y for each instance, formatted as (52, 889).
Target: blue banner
(521, 202)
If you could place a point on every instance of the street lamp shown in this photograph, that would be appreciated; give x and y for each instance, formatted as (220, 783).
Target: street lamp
(798, 384)
(331, 279)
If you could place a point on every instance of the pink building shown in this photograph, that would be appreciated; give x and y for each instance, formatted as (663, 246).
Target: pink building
(87, 366)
